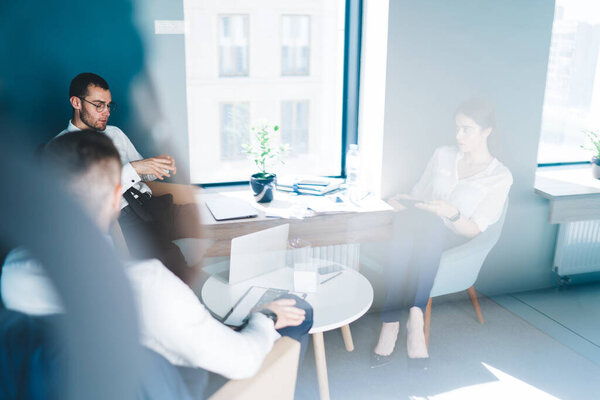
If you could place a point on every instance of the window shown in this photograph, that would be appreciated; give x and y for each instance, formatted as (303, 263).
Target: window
(289, 60)
(233, 45)
(234, 130)
(294, 126)
(572, 98)
(295, 44)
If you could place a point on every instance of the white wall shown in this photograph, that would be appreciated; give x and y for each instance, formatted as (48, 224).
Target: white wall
(441, 53)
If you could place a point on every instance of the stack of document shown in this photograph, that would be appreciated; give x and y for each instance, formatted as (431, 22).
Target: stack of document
(309, 185)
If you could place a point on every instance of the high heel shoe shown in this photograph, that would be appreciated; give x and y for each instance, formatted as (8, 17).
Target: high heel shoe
(415, 335)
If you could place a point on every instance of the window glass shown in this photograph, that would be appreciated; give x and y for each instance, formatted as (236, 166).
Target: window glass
(572, 98)
(233, 45)
(294, 126)
(295, 44)
(234, 130)
(280, 62)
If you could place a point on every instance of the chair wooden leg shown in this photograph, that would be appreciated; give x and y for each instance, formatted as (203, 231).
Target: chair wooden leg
(473, 296)
(347, 335)
(427, 322)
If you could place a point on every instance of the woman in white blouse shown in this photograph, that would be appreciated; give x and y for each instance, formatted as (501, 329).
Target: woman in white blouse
(461, 193)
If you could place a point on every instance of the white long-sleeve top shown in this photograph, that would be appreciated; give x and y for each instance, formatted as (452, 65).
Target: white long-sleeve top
(479, 197)
(172, 320)
(128, 153)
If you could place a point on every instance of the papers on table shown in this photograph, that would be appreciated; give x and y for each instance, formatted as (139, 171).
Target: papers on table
(294, 208)
(341, 203)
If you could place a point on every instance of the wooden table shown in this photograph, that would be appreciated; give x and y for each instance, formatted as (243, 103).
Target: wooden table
(372, 221)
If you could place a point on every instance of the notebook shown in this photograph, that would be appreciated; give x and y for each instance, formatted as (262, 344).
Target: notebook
(225, 208)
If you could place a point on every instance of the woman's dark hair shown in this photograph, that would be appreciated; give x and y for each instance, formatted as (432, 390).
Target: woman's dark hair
(79, 84)
(479, 111)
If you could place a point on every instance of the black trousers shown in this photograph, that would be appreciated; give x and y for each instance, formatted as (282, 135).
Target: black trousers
(420, 238)
(154, 238)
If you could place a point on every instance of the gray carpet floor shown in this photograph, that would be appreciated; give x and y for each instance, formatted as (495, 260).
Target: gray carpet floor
(506, 357)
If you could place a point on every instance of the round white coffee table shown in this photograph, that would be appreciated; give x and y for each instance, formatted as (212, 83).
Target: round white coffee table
(337, 303)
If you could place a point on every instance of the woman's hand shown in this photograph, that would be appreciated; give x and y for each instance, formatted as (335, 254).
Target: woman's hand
(438, 207)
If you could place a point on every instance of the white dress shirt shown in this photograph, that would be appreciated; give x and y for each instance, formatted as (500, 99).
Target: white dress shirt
(479, 197)
(128, 153)
(172, 320)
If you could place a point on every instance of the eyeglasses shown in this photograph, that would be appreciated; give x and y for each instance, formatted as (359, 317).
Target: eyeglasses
(100, 107)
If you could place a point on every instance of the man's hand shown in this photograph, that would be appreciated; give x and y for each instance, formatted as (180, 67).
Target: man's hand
(159, 166)
(438, 207)
(287, 314)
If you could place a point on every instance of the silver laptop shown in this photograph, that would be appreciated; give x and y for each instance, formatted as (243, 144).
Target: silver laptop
(253, 255)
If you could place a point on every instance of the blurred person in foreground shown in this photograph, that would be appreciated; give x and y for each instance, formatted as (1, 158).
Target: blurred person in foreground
(173, 322)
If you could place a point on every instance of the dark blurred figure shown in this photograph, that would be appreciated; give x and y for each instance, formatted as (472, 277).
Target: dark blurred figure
(44, 44)
(32, 357)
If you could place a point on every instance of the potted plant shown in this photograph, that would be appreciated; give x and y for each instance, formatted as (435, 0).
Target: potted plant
(264, 152)
(594, 139)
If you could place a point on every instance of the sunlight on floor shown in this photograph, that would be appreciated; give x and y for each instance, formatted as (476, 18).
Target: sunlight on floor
(506, 387)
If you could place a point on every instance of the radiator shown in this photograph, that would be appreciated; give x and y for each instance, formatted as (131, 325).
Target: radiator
(577, 248)
(345, 254)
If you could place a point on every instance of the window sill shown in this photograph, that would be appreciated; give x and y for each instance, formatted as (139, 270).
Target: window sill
(566, 180)
(573, 192)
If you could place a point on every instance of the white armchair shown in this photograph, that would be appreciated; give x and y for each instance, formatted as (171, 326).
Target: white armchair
(460, 266)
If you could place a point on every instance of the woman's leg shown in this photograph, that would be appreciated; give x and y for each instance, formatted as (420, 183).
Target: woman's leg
(397, 273)
(429, 238)
(419, 240)
(430, 242)
(397, 279)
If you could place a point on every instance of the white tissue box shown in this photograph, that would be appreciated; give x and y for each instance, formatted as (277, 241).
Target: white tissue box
(305, 281)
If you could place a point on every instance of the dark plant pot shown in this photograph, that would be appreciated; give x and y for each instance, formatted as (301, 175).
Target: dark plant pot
(263, 187)
(596, 167)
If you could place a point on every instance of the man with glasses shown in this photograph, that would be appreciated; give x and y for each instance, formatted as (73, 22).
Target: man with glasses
(149, 223)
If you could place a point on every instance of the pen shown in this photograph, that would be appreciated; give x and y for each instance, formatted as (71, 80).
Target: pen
(331, 277)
